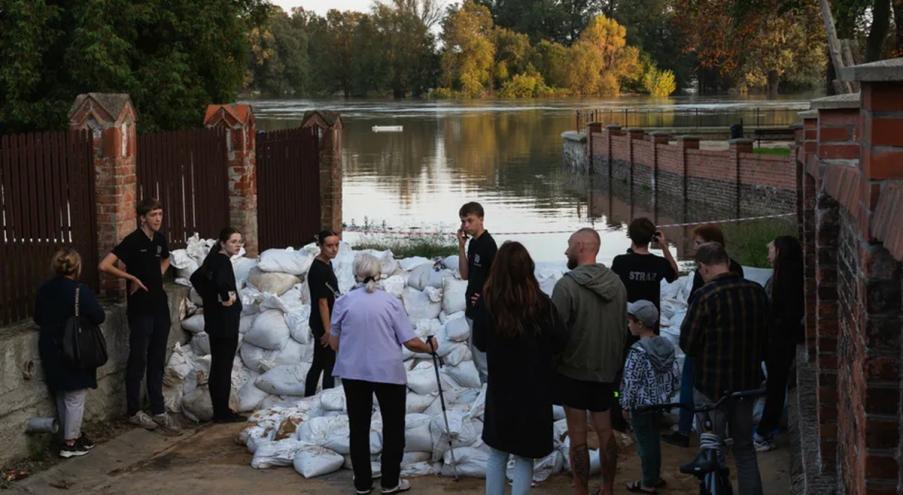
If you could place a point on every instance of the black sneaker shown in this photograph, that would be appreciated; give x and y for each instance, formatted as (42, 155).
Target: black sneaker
(85, 442)
(677, 439)
(231, 417)
(77, 450)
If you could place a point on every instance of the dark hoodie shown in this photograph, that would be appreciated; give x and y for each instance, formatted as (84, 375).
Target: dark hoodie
(592, 302)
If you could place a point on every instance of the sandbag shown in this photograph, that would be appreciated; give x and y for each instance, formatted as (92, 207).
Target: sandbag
(184, 264)
(451, 262)
(542, 468)
(242, 266)
(333, 399)
(458, 352)
(464, 432)
(285, 261)
(288, 302)
(276, 453)
(197, 405)
(200, 344)
(293, 353)
(178, 367)
(408, 264)
(298, 323)
(244, 324)
(284, 380)
(250, 397)
(470, 462)
(394, 285)
(257, 359)
(426, 276)
(457, 329)
(465, 374)
(417, 436)
(194, 323)
(271, 282)
(422, 379)
(418, 305)
(417, 403)
(312, 460)
(250, 300)
(268, 331)
(454, 298)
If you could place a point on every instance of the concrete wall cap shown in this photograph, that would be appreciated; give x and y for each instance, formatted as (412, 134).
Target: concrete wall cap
(688, 138)
(322, 118)
(575, 136)
(742, 141)
(613, 126)
(837, 102)
(808, 114)
(881, 71)
(659, 133)
(108, 107)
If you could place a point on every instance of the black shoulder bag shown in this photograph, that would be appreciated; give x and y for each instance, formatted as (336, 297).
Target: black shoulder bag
(84, 346)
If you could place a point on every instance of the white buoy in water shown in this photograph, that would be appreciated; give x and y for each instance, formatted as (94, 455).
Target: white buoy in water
(387, 128)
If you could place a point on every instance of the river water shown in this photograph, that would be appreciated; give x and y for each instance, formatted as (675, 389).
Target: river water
(505, 154)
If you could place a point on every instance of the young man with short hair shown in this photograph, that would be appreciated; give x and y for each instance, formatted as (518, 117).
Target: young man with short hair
(145, 254)
(592, 303)
(725, 333)
(640, 270)
(474, 265)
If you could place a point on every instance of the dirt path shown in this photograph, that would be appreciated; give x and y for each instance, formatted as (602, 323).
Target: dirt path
(207, 460)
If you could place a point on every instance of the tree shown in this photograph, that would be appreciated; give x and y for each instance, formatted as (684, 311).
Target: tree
(279, 55)
(557, 20)
(602, 59)
(407, 48)
(551, 60)
(512, 54)
(469, 51)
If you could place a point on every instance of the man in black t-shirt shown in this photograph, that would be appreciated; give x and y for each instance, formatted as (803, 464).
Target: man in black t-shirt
(145, 254)
(641, 271)
(474, 265)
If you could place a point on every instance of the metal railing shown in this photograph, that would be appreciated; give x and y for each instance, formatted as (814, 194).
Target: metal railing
(689, 117)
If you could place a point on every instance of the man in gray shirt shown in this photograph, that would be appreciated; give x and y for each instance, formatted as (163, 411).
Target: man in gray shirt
(592, 302)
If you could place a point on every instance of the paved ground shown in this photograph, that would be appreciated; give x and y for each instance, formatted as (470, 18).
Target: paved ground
(207, 460)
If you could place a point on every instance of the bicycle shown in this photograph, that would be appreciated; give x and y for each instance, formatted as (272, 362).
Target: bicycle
(709, 465)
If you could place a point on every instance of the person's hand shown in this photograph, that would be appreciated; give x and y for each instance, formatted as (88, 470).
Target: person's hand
(474, 299)
(324, 340)
(136, 284)
(462, 238)
(230, 301)
(433, 344)
(661, 239)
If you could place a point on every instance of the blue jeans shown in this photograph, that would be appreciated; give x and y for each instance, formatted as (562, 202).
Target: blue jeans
(685, 419)
(495, 473)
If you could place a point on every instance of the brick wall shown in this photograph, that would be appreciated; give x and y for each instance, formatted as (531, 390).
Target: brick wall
(850, 148)
(737, 179)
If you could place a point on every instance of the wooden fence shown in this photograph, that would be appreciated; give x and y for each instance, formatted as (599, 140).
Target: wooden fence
(46, 202)
(187, 171)
(288, 187)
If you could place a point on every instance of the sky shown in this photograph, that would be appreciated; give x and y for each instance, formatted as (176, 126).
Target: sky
(322, 6)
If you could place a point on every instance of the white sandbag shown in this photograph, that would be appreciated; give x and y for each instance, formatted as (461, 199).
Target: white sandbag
(244, 324)
(375, 465)
(250, 397)
(257, 359)
(198, 248)
(194, 297)
(426, 276)
(284, 380)
(417, 436)
(478, 406)
(184, 264)
(542, 468)
(342, 265)
(179, 366)
(250, 300)
(471, 462)
(268, 331)
(388, 263)
(425, 328)
(457, 329)
(311, 461)
(559, 430)
(200, 344)
(464, 432)
(458, 352)
(285, 261)
(276, 453)
(416, 403)
(288, 302)
(194, 324)
(548, 274)
(422, 468)
(408, 264)
(394, 285)
(422, 379)
(293, 353)
(272, 282)
(333, 399)
(453, 297)
(316, 430)
(418, 305)
(451, 262)
(339, 440)
(557, 412)
(197, 405)
(464, 374)
(242, 266)
(172, 398)
(298, 323)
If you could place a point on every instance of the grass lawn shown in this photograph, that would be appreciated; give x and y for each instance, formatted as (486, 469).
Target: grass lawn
(772, 151)
(428, 247)
(747, 242)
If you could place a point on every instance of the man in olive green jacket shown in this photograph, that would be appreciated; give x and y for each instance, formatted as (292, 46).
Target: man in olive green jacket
(592, 302)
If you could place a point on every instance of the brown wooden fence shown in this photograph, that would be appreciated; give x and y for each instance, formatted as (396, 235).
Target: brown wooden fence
(288, 187)
(46, 202)
(187, 171)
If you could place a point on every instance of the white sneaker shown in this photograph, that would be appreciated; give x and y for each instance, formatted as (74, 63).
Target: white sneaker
(167, 423)
(142, 419)
(403, 486)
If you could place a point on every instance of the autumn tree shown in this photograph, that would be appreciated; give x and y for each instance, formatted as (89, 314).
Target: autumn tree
(469, 55)
(601, 59)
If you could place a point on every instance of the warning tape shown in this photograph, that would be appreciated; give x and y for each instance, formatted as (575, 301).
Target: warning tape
(419, 233)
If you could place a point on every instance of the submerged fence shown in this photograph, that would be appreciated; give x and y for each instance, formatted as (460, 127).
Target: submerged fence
(679, 116)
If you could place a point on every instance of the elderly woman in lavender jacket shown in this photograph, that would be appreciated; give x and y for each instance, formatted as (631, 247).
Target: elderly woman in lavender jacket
(369, 327)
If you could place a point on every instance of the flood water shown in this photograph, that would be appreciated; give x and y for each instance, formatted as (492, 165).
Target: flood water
(507, 155)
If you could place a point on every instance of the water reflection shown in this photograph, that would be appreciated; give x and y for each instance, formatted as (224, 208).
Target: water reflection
(506, 155)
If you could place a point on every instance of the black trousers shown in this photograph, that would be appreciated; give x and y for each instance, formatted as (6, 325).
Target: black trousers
(359, 399)
(148, 334)
(222, 354)
(778, 362)
(324, 360)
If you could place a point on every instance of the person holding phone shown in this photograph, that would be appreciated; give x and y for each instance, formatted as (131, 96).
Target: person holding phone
(222, 314)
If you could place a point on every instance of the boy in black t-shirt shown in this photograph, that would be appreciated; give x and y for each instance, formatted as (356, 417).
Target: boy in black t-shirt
(641, 271)
(145, 254)
(474, 265)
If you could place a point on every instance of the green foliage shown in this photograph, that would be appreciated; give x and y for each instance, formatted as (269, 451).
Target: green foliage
(427, 247)
(659, 83)
(469, 55)
(173, 57)
(560, 21)
(525, 86)
(747, 241)
(600, 60)
(772, 151)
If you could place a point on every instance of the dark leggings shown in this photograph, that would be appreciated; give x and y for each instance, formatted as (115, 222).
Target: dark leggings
(392, 398)
(324, 360)
(778, 362)
(222, 354)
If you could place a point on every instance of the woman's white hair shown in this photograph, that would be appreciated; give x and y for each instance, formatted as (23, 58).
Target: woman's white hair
(367, 269)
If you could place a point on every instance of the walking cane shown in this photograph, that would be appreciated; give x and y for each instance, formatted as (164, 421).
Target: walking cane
(436, 364)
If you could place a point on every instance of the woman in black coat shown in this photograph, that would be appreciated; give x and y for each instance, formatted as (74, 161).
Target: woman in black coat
(517, 327)
(785, 291)
(54, 305)
(222, 315)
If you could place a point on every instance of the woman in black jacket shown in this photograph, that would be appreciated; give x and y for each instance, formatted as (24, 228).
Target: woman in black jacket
(785, 290)
(69, 385)
(516, 325)
(222, 314)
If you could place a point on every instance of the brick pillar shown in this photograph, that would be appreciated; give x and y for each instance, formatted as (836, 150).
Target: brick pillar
(241, 138)
(738, 146)
(111, 119)
(329, 129)
(638, 135)
(807, 155)
(592, 128)
(878, 213)
(610, 130)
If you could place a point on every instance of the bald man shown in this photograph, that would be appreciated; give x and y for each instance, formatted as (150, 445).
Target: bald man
(592, 301)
